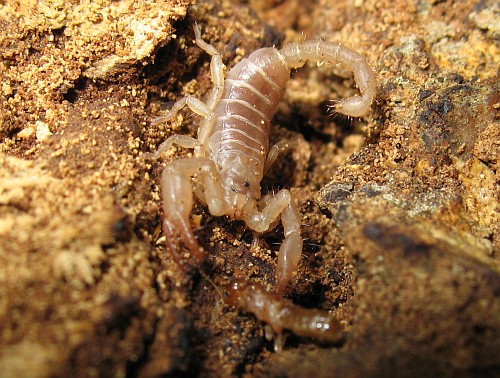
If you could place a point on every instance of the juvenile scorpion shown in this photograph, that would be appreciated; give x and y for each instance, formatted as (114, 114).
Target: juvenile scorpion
(231, 151)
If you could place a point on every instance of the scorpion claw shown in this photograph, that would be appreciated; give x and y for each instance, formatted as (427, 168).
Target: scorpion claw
(188, 239)
(177, 206)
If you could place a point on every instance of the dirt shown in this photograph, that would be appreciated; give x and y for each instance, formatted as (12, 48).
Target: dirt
(400, 209)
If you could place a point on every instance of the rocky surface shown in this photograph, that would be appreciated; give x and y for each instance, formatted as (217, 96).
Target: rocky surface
(400, 210)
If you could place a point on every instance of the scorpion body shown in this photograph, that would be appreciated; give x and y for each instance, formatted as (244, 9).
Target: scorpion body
(232, 149)
(240, 140)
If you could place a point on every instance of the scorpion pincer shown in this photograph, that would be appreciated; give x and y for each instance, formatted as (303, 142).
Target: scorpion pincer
(231, 151)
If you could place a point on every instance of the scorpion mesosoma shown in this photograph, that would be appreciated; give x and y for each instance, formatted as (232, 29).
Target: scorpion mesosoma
(231, 152)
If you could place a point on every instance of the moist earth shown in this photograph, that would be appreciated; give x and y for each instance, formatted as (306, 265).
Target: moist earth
(400, 209)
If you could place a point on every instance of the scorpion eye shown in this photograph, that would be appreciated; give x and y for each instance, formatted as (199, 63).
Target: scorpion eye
(234, 189)
(246, 184)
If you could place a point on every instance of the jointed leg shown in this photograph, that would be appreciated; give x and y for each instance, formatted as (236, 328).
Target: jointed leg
(275, 150)
(196, 106)
(217, 74)
(180, 140)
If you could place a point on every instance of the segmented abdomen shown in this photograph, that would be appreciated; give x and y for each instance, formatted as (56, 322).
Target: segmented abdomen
(252, 91)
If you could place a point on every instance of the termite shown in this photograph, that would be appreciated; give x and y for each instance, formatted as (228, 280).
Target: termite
(281, 314)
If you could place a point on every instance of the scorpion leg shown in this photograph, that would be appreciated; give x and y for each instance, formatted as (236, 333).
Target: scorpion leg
(275, 150)
(197, 106)
(217, 75)
(291, 248)
(180, 140)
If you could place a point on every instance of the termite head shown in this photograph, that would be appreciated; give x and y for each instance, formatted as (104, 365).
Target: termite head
(234, 291)
(241, 176)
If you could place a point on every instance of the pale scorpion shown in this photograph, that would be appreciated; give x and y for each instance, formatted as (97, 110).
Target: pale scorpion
(231, 151)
